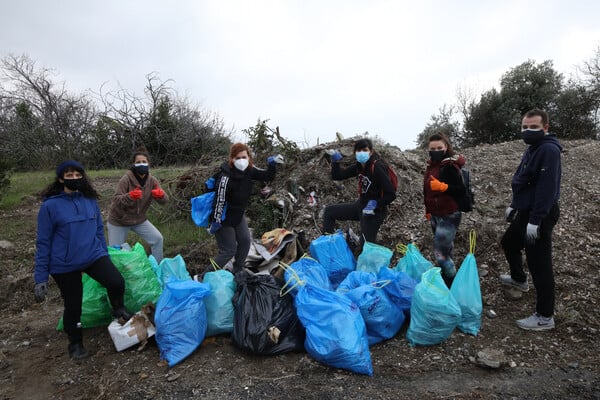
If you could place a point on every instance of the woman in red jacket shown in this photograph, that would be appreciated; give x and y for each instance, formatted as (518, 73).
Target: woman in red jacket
(442, 186)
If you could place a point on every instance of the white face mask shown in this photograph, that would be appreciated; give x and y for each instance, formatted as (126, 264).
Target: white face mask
(241, 164)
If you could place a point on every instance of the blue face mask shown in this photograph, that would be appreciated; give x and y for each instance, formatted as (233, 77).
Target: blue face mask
(362, 156)
(532, 136)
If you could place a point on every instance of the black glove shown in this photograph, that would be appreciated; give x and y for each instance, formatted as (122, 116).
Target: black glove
(40, 290)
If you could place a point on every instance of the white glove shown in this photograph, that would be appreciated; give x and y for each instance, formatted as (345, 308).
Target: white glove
(532, 234)
(510, 214)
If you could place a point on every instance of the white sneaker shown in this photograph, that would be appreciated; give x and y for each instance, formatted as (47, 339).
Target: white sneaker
(508, 281)
(536, 322)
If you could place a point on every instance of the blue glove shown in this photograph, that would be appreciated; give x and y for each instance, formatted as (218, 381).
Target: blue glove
(210, 183)
(370, 207)
(214, 227)
(40, 290)
(336, 156)
(532, 234)
(272, 160)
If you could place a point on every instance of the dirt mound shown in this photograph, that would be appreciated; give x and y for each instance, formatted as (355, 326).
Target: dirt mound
(559, 364)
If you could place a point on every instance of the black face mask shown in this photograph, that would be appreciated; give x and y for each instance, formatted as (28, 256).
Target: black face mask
(74, 184)
(141, 169)
(532, 136)
(437, 155)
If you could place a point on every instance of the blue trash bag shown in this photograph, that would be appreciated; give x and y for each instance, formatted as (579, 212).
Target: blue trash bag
(333, 252)
(336, 334)
(467, 292)
(355, 279)
(400, 288)
(265, 322)
(373, 257)
(382, 317)
(202, 208)
(305, 270)
(219, 306)
(180, 319)
(413, 262)
(434, 312)
(170, 269)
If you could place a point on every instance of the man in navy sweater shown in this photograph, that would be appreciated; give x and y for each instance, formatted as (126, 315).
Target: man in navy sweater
(532, 214)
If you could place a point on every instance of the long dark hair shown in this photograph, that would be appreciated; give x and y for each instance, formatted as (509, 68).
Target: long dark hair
(57, 187)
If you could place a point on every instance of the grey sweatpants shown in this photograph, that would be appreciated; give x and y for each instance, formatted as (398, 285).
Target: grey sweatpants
(117, 235)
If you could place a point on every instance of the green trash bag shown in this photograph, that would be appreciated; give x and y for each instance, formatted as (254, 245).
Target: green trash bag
(95, 307)
(141, 284)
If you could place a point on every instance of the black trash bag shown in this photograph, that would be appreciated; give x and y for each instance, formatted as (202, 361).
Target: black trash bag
(264, 322)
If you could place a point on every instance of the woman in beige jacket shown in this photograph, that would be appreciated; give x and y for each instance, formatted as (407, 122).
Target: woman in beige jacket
(135, 192)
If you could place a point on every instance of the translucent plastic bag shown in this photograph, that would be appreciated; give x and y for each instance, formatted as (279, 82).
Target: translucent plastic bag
(400, 288)
(373, 257)
(170, 269)
(467, 292)
(413, 262)
(202, 208)
(434, 312)
(265, 322)
(180, 319)
(335, 330)
(333, 253)
(141, 284)
(305, 270)
(382, 317)
(219, 305)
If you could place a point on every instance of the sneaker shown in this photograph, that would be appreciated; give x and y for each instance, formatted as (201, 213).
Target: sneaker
(508, 281)
(77, 351)
(536, 322)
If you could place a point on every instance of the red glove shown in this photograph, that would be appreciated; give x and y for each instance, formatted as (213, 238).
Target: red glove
(428, 217)
(157, 192)
(437, 186)
(136, 193)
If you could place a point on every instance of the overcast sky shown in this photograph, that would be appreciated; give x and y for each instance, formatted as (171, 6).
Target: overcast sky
(312, 68)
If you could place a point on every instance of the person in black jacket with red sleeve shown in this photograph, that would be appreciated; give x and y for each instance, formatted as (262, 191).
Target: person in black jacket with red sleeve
(233, 190)
(375, 190)
(442, 186)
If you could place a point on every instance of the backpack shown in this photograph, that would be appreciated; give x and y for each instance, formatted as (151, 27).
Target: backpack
(466, 203)
(391, 173)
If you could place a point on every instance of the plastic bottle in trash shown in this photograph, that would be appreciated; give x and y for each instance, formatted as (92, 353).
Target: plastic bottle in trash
(125, 246)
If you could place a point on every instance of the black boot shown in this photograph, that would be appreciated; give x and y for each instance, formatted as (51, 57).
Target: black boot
(77, 351)
(122, 314)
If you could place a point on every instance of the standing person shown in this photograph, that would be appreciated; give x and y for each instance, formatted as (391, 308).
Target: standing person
(135, 192)
(376, 192)
(70, 241)
(233, 189)
(532, 214)
(442, 188)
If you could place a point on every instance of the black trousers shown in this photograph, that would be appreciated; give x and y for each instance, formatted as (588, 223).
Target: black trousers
(369, 224)
(71, 290)
(538, 255)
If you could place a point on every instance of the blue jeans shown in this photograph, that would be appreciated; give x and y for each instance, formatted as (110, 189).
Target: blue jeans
(117, 235)
(444, 230)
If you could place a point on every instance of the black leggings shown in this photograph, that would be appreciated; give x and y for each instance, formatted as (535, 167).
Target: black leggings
(369, 224)
(71, 289)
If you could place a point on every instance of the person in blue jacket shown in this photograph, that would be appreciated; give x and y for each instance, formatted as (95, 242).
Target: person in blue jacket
(70, 241)
(532, 214)
(233, 188)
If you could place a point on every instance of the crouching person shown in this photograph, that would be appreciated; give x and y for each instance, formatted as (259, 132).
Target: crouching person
(70, 241)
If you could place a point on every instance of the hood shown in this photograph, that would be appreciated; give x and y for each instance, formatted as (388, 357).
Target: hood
(551, 139)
